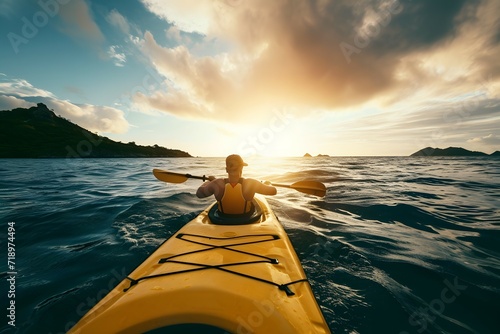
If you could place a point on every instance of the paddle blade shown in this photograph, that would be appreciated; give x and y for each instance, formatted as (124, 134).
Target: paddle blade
(169, 177)
(310, 187)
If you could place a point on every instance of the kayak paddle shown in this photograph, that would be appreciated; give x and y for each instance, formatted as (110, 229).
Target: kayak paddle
(172, 177)
(308, 187)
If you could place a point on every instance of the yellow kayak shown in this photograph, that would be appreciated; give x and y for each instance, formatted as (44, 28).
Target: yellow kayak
(215, 275)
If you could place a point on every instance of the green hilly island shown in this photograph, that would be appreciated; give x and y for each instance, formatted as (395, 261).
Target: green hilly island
(451, 152)
(38, 132)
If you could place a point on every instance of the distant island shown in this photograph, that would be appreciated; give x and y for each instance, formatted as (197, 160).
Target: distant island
(38, 132)
(307, 155)
(451, 152)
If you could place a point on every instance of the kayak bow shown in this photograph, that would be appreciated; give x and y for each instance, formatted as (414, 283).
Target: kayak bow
(243, 278)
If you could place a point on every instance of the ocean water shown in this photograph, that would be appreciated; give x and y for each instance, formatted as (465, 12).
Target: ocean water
(398, 245)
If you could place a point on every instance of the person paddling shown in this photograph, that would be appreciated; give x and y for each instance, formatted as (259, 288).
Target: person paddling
(234, 194)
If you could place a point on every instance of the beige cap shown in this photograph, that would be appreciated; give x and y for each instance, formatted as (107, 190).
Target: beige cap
(235, 160)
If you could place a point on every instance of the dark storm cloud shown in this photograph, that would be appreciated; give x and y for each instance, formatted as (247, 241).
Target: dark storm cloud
(423, 23)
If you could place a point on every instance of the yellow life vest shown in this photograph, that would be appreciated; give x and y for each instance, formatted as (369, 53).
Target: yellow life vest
(232, 201)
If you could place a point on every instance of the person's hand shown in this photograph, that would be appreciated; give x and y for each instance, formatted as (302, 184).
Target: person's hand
(211, 178)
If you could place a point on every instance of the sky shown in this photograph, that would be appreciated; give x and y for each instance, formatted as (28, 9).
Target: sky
(260, 77)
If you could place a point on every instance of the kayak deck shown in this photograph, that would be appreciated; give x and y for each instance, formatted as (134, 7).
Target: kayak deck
(239, 278)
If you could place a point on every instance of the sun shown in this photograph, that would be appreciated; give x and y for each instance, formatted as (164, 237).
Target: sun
(273, 144)
(285, 144)
(265, 140)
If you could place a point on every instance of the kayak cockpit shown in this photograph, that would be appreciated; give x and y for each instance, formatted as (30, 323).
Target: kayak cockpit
(219, 218)
(188, 329)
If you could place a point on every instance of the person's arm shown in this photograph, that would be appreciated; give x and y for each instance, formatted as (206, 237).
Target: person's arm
(208, 188)
(267, 189)
(263, 188)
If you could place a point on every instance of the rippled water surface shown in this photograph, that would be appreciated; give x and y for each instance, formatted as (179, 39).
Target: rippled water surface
(398, 245)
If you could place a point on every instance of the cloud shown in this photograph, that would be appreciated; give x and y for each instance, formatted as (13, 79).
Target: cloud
(6, 8)
(118, 20)
(441, 124)
(490, 139)
(79, 22)
(173, 33)
(187, 15)
(91, 117)
(328, 55)
(11, 102)
(197, 84)
(21, 88)
(18, 93)
(118, 58)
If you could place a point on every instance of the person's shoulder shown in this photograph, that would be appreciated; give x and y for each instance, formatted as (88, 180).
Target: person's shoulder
(250, 181)
(219, 181)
